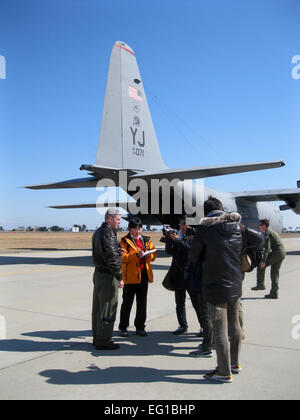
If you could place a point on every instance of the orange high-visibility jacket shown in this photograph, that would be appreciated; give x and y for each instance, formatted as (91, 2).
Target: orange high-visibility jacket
(131, 271)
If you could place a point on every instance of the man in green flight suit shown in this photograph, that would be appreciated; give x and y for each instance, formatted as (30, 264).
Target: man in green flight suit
(107, 258)
(273, 255)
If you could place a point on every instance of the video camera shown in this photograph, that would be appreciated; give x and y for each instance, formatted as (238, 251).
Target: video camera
(168, 231)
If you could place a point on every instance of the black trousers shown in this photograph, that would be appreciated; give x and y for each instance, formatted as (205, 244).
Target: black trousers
(201, 309)
(180, 296)
(129, 292)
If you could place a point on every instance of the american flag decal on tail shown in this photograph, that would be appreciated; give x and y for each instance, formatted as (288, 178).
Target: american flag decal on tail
(134, 94)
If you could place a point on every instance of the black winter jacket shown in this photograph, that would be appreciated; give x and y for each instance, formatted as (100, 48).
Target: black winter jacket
(218, 245)
(107, 251)
(179, 250)
(193, 277)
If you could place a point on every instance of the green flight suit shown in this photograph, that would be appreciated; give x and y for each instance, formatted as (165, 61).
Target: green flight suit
(273, 256)
(105, 303)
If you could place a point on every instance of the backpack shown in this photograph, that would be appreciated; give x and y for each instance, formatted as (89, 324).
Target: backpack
(253, 255)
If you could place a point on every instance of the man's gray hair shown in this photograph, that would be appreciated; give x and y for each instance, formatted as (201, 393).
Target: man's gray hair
(112, 213)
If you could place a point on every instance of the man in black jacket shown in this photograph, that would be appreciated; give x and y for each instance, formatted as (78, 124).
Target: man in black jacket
(178, 246)
(107, 279)
(218, 244)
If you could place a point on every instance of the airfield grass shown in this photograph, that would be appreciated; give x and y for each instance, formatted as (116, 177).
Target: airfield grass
(14, 242)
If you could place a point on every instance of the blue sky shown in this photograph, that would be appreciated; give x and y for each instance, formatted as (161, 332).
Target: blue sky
(218, 78)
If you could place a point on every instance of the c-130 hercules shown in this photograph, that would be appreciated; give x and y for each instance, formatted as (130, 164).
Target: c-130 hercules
(128, 144)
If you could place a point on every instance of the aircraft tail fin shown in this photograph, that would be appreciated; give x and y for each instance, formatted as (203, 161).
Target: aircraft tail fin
(127, 136)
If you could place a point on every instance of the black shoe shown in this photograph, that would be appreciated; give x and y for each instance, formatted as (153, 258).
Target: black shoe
(109, 346)
(142, 333)
(180, 330)
(258, 288)
(271, 297)
(123, 333)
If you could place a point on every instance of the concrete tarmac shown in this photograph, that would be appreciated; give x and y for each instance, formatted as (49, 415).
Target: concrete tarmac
(46, 350)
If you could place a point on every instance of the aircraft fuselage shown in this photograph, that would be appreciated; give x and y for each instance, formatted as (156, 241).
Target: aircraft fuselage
(161, 205)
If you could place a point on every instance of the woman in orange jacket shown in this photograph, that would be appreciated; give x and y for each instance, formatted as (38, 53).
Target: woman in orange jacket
(136, 274)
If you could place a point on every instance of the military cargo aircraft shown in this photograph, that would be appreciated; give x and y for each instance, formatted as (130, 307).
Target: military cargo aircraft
(128, 150)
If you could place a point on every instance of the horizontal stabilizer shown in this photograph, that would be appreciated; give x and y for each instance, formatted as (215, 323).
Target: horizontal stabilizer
(207, 171)
(105, 172)
(72, 183)
(97, 173)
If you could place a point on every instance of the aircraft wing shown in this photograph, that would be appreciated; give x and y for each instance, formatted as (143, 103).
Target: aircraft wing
(290, 196)
(122, 204)
(147, 219)
(207, 171)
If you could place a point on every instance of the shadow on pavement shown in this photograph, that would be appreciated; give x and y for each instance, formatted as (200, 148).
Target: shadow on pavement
(93, 375)
(161, 343)
(50, 249)
(82, 261)
(293, 253)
